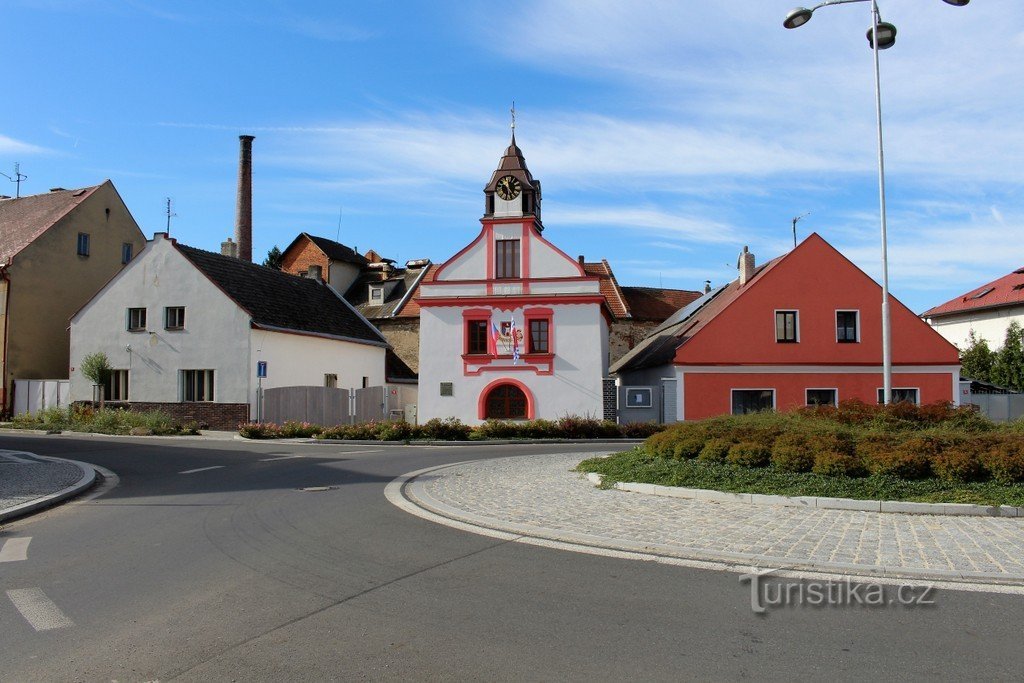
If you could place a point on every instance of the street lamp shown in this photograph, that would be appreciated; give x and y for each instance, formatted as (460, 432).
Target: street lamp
(881, 36)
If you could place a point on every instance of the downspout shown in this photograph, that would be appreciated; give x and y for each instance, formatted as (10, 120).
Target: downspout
(6, 277)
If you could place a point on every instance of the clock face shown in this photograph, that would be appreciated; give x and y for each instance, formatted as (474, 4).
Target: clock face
(508, 188)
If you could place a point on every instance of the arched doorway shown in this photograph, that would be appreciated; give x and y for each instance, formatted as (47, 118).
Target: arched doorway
(506, 402)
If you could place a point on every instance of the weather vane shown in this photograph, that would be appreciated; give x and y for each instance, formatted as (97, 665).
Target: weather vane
(513, 110)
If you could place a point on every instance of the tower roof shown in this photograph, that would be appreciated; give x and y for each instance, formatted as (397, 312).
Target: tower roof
(512, 163)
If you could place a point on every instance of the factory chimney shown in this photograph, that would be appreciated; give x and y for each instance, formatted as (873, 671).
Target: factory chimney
(243, 205)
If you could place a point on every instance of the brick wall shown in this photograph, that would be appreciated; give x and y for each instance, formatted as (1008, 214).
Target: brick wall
(610, 399)
(225, 416)
(303, 255)
(624, 335)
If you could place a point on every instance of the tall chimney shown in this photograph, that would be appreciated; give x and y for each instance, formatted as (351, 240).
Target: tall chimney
(746, 266)
(243, 200)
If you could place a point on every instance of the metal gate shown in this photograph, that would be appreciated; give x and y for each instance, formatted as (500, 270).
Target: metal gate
(34, 395)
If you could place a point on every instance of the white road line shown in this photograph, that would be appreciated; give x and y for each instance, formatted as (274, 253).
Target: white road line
(283, 457)
(201, 469)
(15, 549)
(377, 450)
(38, 610)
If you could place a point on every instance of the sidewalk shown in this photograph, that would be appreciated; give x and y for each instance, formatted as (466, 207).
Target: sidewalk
(539, 497)
(31, 482)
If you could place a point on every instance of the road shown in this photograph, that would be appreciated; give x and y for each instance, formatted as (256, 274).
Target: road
(209, 562)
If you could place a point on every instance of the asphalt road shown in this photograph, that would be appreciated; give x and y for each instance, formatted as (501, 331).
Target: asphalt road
(235, 573)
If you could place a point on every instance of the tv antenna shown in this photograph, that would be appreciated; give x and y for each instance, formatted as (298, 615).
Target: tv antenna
(795, 221)
(170, 215)
(18, 177)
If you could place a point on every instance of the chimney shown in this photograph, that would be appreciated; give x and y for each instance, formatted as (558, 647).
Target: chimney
(746, 266)
(229, 248)
(707, 286)
(243, 201)
(580, 258)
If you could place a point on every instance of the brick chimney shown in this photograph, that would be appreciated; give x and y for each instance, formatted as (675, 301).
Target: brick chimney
(229, 248)
(243, 201)
(745, 264)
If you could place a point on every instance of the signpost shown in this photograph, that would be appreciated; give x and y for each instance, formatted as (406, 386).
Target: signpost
(261, 372)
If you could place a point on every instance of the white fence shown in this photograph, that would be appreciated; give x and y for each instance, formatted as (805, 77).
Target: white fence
(323, 406)
(34, 395)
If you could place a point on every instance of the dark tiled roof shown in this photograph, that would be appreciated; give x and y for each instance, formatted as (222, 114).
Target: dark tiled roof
(1006, 291)
(403, 281)
(512, 163)
(279, 300)
(337, 251)
(24, 219)
(655, 303)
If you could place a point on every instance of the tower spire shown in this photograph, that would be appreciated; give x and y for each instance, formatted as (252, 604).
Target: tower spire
(513, 112)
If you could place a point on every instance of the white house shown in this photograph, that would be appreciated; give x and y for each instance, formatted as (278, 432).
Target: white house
(186, 331)
(986, 311)
(511, 327)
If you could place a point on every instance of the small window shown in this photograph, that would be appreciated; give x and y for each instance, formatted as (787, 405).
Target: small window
(366, 382)
(639, 397)
(315, 273)
(174, 318)
(899, 395)
(377, 294)
(126, 252)
(83, 244)
(447, 388)
(846, 327)
(116, 388)
(821, 397)
(786, 331)
(196, 385)
(752, 400)
(506, 259)
(136, 319)
(477, 336)
(538, 336)
(331, 381)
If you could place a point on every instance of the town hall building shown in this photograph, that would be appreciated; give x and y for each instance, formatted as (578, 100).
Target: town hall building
(511, 327)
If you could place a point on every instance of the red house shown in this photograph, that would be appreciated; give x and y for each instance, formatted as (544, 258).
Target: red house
(801, 329)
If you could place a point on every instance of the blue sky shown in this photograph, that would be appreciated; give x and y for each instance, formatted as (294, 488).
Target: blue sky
(667, 134)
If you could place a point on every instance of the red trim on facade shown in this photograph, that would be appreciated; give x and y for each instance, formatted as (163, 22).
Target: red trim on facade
(440, 268)
(489, 236)
(522, 281)
(540, 313)
(531, 403)
(508, 303)
(525, 264)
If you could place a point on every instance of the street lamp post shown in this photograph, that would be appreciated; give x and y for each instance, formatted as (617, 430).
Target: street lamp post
(881, 36)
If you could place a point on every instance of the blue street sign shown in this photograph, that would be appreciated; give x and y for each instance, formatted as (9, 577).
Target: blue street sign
(261, 368)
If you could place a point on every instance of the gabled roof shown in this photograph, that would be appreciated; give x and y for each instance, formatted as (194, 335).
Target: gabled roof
(609, 287)
(403, 282)
(24, 219)
(1006, 291)
(657, 303)
(411, 307)
(335, 251)
(279, 301)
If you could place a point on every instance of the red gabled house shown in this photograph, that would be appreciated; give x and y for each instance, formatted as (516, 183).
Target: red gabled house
(801, 329)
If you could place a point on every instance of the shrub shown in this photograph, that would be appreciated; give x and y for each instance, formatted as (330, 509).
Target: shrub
(907, 460)
(448, 429)
(499, 429)
(259, 430)
(1005, 460)
(958, 462)
(298, 430)
(576, 427)
(715, 450)
(793, 453)
(396, 430)
(749, 454)
(687, 447)
(640, 430)
(836, 464)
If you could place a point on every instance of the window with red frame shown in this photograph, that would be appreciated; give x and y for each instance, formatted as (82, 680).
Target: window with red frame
(539, 336)
(477, 336)
(506, 402)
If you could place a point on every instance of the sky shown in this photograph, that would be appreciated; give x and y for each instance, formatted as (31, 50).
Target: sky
(667, 135)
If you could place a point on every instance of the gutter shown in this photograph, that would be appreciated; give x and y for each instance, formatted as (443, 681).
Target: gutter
(6, 277)
(322, 335)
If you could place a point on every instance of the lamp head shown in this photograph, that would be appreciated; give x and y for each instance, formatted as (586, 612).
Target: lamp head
(886, 36)
(956, 3)
(800, 16)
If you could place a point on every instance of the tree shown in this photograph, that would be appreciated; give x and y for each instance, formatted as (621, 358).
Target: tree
(273, 259)
(1008, 368)
(96, 369)
(977, 358)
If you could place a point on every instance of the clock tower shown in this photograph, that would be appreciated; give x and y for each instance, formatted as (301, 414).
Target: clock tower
(512, 191)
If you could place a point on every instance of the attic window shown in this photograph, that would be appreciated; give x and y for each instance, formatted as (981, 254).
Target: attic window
(981, 293)
(376, 294)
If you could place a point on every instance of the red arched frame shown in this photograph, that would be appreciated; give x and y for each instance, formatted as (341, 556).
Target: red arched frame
(531, 402)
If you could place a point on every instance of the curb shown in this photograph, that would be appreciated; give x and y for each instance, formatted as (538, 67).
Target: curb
(815, 502)
(422, 442)
(87, 479)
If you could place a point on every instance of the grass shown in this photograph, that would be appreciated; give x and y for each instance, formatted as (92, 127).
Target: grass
(639, 466)
(104, 421)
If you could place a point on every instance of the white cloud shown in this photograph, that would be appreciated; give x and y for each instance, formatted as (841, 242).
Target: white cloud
(9, 145)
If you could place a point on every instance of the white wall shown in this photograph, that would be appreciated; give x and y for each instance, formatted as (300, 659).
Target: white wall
(342, 275)
(471, 265)
(547, 261)
(216, 334)
(990, 325)
(579, 333)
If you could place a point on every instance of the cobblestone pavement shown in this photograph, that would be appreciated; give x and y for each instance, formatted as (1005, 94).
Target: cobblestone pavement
(25, 477)
(540, 496)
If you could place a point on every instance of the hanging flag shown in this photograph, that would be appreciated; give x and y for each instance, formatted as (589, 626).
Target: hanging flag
(495, 335)
(515, 340)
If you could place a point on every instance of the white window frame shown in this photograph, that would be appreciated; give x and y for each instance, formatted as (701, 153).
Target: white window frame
(917, 393)
(167, 325)
(209, 385)
(650, 397)
(835, 390)
(376, 293)
(83, 247)
(775, 393)
(119, 377)
(775, 325)
(857, 332)
(128, 319)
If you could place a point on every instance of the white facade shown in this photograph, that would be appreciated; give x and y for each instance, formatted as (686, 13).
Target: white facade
(988, 324)
(217, 335)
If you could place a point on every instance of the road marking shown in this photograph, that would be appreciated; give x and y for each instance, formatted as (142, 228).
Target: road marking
(15, 549)
(283, 457)
(377, 450)
(201, 469)
(39, 611)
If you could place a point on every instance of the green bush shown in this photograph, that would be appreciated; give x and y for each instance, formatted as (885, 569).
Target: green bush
(576, 427)
(640, 430)
(749, 454)
(259, 430)
(715, 450)
(1004, 460)
(793, 453)
(687, 447)
(298, 430)
(836, 464)
(447, 429)
(396, 430)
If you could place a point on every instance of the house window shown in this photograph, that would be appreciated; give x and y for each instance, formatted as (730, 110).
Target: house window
(377, 294)
(116, 388)
(315, 272)
(477, 332)
(83, 244)
(899, 395)
(786, 331)
(136, 319)
(366, 382)
(821, 397)
(506, 402)
(538, 336)
(846, 327)
(174, 318)
(752, 400)
(126, 252)
(639, 397)
(196, 385)
(331, 381)
(506, 259)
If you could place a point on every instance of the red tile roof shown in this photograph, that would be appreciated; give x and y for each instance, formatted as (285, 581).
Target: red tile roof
(1006, 291)
(24, 219)
(609, 287)
(656, 303)
(411, 309)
